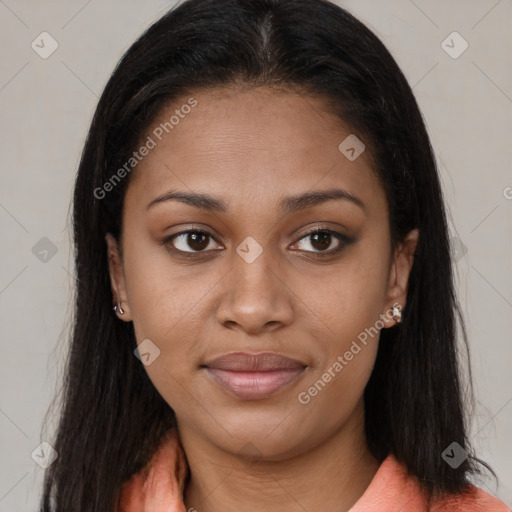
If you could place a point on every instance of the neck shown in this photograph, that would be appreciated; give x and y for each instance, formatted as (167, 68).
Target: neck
(330, 476)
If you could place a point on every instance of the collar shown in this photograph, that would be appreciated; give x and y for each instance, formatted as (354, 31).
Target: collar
(159, 487)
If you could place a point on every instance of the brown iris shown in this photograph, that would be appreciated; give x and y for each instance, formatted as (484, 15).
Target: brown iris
(197, 241)
(323, 239)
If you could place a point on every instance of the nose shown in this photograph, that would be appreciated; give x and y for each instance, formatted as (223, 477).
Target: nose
(256, 297)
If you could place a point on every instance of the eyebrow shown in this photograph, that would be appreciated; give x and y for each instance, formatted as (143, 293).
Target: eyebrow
(288, 204)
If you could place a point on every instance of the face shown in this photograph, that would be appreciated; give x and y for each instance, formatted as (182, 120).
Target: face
(241, 269)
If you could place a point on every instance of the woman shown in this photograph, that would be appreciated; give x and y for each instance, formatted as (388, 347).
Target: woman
(258, 203)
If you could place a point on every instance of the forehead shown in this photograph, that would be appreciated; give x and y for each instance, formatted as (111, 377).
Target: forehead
(244, 144)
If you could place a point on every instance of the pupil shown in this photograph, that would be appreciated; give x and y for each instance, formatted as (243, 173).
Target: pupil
(322, 238)
(195, 237)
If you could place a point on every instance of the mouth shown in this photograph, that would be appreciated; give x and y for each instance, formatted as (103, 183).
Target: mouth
(254, 376)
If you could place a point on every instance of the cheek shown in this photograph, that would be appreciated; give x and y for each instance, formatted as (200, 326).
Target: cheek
(327, 405)
(344, 299)
(164, 297)
(168, 307)
(334, 388)
(349, 309)
(172, 304)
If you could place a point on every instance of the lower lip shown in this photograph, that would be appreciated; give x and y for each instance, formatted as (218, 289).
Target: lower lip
(254, 385)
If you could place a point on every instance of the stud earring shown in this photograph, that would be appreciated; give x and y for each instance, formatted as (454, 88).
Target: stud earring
(397, 313)
(118, 307)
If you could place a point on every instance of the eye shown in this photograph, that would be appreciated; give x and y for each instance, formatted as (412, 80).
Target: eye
(323, 241)
(191, 241)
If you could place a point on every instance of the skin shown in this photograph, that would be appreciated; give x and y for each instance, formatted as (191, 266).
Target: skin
(252, 148)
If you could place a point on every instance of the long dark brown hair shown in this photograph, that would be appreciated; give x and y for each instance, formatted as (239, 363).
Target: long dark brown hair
(112, 418)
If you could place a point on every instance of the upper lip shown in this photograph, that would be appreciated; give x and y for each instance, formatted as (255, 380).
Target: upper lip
(247, 362)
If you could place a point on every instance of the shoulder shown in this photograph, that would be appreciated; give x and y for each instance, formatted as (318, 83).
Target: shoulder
(160, 482)
(473, 499)
(393, 489)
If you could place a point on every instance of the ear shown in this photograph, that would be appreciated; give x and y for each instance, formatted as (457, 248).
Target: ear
(117, 281)
(399, 275)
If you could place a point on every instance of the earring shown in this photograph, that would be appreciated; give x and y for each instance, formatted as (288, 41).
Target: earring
(118, 307)
(397, 313)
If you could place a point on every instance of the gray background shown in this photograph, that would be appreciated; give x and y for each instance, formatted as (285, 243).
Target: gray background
(47, 105)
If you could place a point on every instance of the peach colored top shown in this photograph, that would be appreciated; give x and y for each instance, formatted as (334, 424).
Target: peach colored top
(159, 488)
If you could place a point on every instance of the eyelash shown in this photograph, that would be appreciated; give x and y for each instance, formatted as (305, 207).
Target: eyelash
(342, 239)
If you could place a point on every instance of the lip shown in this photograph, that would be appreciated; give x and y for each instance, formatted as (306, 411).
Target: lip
(254, 376)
